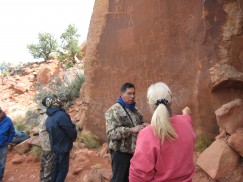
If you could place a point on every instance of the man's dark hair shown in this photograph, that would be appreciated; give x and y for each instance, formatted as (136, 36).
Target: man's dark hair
(125, 86)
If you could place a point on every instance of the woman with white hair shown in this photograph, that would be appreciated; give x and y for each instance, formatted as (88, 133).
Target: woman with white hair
(164, 149)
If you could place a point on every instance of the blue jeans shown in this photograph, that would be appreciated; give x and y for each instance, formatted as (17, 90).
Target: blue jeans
(3, 156)
(61, 166)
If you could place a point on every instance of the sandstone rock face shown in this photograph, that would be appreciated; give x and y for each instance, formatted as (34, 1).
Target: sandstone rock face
(45, 74)
(193, 46)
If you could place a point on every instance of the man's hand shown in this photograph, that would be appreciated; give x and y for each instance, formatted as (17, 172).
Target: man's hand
(186, 110)
(137, 128)
(10, 146)
(145, 124)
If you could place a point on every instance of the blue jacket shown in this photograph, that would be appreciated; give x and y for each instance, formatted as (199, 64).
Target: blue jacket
(62, 131)
(6, 130)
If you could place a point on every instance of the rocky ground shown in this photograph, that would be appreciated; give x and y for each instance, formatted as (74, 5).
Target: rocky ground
(85, 165)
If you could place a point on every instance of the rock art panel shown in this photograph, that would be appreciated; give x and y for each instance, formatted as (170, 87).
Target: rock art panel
(176, 42)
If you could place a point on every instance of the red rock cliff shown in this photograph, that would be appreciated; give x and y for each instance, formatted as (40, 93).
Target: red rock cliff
(196, 47)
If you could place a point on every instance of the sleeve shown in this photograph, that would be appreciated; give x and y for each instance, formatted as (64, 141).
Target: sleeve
(11, 132)
(113, 129)
(67, 126)
(188, 118)
(144, 159)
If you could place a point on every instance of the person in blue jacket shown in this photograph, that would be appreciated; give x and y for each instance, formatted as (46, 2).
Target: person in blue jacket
(62, 134)
(7, 133)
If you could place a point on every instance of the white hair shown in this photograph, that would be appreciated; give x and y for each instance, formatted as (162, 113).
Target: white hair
(160, 121)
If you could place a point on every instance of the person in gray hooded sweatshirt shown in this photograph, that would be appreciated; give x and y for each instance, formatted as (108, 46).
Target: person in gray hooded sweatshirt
(62, 134)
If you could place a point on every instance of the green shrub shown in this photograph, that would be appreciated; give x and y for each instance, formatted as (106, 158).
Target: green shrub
(19, 123)
(5, 73)
(18, 69)
(67, 90)
(32, 119)
(202, 142)
(20, 126)
(89, 139)
(36, 150)
(27, 121)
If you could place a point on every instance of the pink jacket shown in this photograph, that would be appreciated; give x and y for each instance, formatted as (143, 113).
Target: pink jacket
(167, 162)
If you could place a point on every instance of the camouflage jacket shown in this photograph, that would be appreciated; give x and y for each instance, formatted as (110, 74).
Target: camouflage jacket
(44, 135)
(117, 128)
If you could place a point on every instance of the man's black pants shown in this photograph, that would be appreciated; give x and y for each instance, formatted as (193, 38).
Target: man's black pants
(120, 166)
(61, 166)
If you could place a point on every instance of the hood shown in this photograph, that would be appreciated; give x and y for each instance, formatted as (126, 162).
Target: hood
(52, 111)
(4, 116)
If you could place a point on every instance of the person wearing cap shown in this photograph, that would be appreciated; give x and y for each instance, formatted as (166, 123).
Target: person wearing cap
(7, 133)
(164, 150)
(62, 134)
(47, 156)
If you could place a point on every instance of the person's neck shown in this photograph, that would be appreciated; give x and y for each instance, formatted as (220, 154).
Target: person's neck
(125, 104)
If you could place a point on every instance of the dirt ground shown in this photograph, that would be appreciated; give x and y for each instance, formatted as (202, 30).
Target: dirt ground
(28, 171)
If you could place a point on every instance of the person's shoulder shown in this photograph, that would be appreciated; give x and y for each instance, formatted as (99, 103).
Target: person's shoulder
(183, 117)
(138, 111)
(62, 113)
(8, 118)
(147, 133)
(115, 107)
(60, 110)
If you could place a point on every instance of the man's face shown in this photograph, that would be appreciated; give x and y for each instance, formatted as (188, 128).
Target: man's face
(1, 114)
(129, 95)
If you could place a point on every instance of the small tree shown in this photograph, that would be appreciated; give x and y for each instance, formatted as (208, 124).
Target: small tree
(69, 46)
(47, 44)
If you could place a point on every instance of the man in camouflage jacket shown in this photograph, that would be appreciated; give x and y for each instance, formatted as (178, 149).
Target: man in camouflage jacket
(47, 156)
(123, 122)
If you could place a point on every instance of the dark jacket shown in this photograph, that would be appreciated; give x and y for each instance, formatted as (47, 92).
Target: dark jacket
(62, 131)
(6, 130)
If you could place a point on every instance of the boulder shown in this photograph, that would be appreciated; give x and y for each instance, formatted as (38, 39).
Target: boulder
(230, 116)
(235, 141)
(218, 160)
(23, 147)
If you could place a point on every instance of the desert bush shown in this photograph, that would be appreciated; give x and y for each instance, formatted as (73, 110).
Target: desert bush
(5, 73)
(89, 139)
(4, 68)
(36, 150)
(32, 119)
(26, 122)
(19, 123)
(7, 69)
(202, 142)
(66, 90)
(20, 126)
(18, 69)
